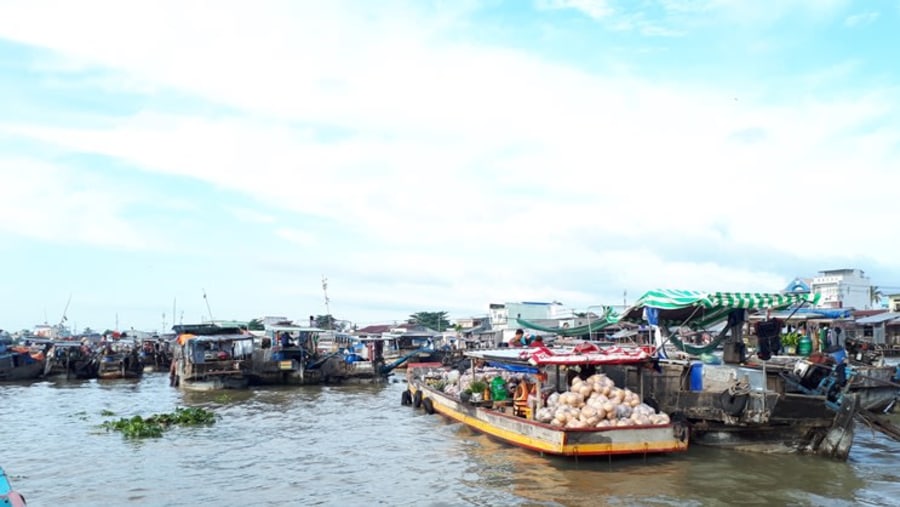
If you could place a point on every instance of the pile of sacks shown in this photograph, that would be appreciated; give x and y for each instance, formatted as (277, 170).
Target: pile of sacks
(598, 403)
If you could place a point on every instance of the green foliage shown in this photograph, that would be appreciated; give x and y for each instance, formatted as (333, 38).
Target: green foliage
(790, 339)
(477, 386)
(156, 424)
(875, 295)
(325, 321)
(107, 413)
(255, 325)
(433, 320)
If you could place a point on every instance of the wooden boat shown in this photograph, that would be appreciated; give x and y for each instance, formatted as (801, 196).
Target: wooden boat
(741, 404)
(119, 361)
(877, 386)
(541, 372)
(71, 360)
(208, 357)
(286, 354)
(18, 363)
(156, 355)
(8, 497)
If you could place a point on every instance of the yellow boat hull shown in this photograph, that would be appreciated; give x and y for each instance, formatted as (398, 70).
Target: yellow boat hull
(554, 440)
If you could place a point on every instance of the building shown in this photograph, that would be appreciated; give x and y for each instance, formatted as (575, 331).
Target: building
(893, 302)
(798, 286)
(503, 316)
(843, 288)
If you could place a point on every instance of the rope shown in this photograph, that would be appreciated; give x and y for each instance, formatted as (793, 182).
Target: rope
(739, 387)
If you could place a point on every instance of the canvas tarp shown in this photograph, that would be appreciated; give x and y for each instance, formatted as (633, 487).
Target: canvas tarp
(606, 319)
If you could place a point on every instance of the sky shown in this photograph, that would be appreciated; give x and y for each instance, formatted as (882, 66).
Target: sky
(436, 155)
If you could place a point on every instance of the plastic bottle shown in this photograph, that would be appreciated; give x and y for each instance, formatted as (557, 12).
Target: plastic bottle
(498, 388)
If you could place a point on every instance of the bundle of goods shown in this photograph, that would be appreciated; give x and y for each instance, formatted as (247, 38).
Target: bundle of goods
(598, 403)
(455, 383)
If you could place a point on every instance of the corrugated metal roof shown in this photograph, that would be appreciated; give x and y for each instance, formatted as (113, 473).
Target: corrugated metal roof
(878, 319)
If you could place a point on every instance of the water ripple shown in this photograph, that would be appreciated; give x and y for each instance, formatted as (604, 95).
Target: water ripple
(356, 445)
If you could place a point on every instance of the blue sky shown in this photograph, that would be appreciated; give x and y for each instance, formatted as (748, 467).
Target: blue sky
(438, 155)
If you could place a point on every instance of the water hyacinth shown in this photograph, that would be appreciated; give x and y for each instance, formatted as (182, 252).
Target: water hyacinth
(154, 425)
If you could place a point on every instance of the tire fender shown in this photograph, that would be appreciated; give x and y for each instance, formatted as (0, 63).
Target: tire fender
(731, 404)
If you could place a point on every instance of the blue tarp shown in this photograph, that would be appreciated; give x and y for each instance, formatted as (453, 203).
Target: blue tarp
(828, 313)
(516, 368)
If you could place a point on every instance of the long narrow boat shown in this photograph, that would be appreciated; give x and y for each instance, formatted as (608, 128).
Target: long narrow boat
(542, 415)
(8, 497)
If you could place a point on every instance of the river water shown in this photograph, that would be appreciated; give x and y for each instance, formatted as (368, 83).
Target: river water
(356, 445)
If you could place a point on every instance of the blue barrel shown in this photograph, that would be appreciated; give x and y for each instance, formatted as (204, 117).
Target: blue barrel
(697, 376)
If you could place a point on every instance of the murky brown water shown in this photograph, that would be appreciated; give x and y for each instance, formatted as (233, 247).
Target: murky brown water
(356, 445)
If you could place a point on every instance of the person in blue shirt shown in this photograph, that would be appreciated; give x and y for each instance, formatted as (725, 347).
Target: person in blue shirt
(518, 340)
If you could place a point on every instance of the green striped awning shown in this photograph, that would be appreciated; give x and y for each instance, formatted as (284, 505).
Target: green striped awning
(667, 299)
(703, 309)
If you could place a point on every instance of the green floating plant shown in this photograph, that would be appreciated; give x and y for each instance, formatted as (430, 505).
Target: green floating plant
(156, 424)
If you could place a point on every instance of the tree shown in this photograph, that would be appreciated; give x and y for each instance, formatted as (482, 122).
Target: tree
(325, 321)
(255, 325)
(875, 295)
(433, 320)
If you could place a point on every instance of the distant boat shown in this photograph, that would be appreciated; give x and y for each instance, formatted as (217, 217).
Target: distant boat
(70, 360)
(286, 354)
(207, 357)
(18, 363)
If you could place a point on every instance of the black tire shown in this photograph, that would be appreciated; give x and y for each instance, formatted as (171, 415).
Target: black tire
(417, 399)
(428, 405)
(733, 405)
(406, 399)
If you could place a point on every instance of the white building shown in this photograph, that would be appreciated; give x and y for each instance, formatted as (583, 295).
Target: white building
(503, 315)
(843, 288)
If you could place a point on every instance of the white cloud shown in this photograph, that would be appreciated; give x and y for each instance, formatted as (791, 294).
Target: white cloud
(297, 237)
(861, 19)
(251, 216)
(676, 18)
(50, 202)
(466, 173)
(597, 9)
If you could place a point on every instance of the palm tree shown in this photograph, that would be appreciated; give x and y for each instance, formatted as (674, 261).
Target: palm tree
(875, 295)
